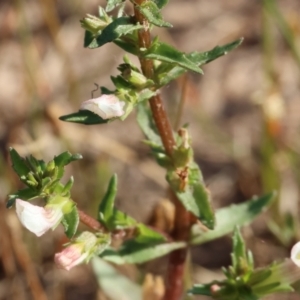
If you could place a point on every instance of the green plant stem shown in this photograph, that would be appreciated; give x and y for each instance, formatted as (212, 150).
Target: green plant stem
(182, 223)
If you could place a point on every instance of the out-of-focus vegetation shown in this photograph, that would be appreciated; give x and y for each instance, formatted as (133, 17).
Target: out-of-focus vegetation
(244, 116)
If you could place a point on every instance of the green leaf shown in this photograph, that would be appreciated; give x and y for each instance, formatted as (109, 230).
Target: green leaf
(85, 117)
(111, 4)
(147, 235)
(196, 200)
(115, 285)
(121, 220)
(201, 58)
(234, 215)
(201, 289)
(145, 121)
(24, 194)
(70, 222)
(161, 3)
(167, 72)
(62, 160)
(133, 252)
(18, 163)
(152, 13)
(119, 27)
(89, 40)
(106, 207)
(167, 53)
(127, 45)
(65, 158)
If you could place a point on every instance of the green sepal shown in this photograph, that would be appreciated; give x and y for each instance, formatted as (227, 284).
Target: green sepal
(70, 222)
(166, 53)
(119, 27)
(229, 217)
(65, 190)
(239, 256)
(85, 117)
(106, 207)
(18, 163)
(132, 252)
(152, 13)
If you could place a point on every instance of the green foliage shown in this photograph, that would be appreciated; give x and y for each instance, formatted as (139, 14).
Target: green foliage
(242, 280)
(133, 252)
(117, 28)
(166, 72)
(85, 117)
(42, 179)
(111, 4)
(229, 217)
(152, 13)
(166, 53)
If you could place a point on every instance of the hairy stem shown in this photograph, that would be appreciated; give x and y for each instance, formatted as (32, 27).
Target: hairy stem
(174, 277)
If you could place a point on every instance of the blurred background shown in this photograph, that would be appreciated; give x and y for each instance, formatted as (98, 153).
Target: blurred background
(244, 117)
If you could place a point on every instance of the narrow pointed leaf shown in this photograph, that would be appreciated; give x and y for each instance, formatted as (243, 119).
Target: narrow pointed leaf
(152, 13)
(167, 53)
(201, 58)
(106, 207)
(145, 122)
(132, 252)
(196, 200)
(234, 215)
(18, 163)
(166, 73)
(85, 117)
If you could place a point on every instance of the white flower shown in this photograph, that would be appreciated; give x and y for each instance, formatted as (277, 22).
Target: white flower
(106, 106)
(295, 254)
(71, 256)
(37, 219)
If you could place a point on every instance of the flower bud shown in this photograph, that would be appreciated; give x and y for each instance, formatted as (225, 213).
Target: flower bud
(93, 24)
(82, 249)
(106, 106)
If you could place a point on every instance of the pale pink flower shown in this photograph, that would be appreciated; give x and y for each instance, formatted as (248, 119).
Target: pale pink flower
(106, 106)
(71, 256)
(295, 254)
(37, 219)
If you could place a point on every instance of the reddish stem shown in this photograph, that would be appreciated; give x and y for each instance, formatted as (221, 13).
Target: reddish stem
(183, 221)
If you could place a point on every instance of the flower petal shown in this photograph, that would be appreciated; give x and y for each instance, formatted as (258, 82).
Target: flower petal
(106, 106)
(295, 254)
(35, 218)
